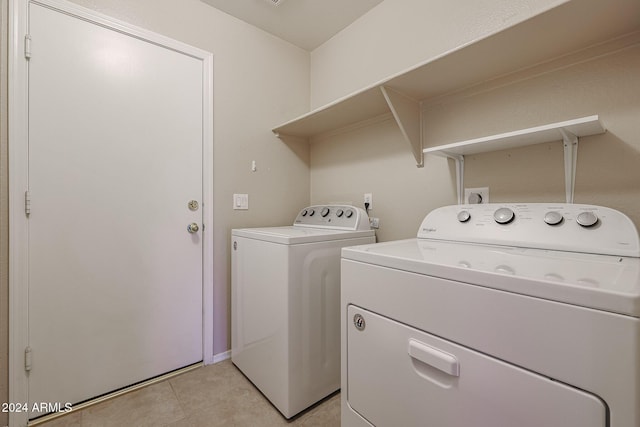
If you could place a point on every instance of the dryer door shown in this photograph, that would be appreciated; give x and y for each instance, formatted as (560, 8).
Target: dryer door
(398, 375)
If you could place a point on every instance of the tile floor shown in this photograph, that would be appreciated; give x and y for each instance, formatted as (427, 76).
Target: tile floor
(214, 395)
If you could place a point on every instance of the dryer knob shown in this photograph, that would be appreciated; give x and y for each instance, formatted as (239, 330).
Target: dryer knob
(503, 216)
(348, 213)
(553, 218)
(587, 219)
(339, 213)
(325, 212)
(464, 216)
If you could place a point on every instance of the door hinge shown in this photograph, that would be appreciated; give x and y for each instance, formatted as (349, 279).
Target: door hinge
(27, 46)
(27, 359)
(27, 202)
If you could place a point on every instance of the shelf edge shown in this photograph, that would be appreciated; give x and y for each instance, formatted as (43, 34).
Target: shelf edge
(584, 126)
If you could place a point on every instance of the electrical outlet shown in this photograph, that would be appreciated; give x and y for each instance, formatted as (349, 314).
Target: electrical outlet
(368, 198)
(476, 196)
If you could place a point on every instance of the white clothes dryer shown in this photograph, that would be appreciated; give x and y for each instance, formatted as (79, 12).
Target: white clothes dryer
(505, 315)
(285, 303)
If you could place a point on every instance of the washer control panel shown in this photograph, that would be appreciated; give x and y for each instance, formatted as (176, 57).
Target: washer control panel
(340, 217)
(563, 226)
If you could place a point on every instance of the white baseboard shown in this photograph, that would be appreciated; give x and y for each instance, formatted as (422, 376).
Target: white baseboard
(217, 358)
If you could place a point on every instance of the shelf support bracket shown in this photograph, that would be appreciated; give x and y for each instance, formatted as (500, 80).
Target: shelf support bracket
(459, 161)
(406, 112)
(570, 142)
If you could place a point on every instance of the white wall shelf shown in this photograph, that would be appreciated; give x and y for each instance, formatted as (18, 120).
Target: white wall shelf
(567, 131)
(524, 44)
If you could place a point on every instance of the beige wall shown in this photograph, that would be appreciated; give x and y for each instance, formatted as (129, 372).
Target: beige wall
(398, 34)
(259, 81)
(375, 159)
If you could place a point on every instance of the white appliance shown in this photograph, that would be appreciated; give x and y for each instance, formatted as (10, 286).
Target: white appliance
(285, 303)
(511, 315)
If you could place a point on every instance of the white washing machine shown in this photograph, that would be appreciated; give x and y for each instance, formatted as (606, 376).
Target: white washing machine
(511, 315)
(285, 303)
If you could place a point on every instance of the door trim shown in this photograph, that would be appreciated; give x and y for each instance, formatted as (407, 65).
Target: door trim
(18, 110)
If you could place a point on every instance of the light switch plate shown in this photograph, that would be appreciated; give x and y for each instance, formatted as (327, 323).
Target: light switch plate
(240, 201)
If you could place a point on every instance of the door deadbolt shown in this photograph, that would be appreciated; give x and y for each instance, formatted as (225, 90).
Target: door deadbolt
(193, 228)
(193, 205)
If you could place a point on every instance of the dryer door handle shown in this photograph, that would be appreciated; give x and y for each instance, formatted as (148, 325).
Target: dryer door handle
(434, 357)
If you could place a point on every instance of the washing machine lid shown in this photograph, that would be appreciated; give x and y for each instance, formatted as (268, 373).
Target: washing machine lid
(293, 235)
(604, 282)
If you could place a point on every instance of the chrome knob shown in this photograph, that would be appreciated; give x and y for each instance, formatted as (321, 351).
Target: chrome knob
(587, 219)
(503, 216)
(464, 216)
(553, 218)
(193, 228)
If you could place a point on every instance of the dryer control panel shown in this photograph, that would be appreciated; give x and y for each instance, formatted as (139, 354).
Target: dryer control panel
(556, 226)
(339, 217)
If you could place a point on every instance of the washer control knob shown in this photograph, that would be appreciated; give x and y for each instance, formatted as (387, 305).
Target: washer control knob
(304, 212)
(325, 212)
(464, 216)
(312, 212)
(348, 213)
(553, 218)
(339, 213)
(503, 216)
(587, 219)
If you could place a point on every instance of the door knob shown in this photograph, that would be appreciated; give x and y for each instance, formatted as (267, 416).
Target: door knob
(193, 228)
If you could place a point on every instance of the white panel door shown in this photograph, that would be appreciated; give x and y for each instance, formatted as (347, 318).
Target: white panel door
(115, 156)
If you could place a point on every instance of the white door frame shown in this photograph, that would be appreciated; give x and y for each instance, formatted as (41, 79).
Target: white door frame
(19, 181)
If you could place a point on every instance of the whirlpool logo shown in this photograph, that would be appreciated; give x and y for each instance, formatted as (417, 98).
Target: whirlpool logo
(429, 230)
